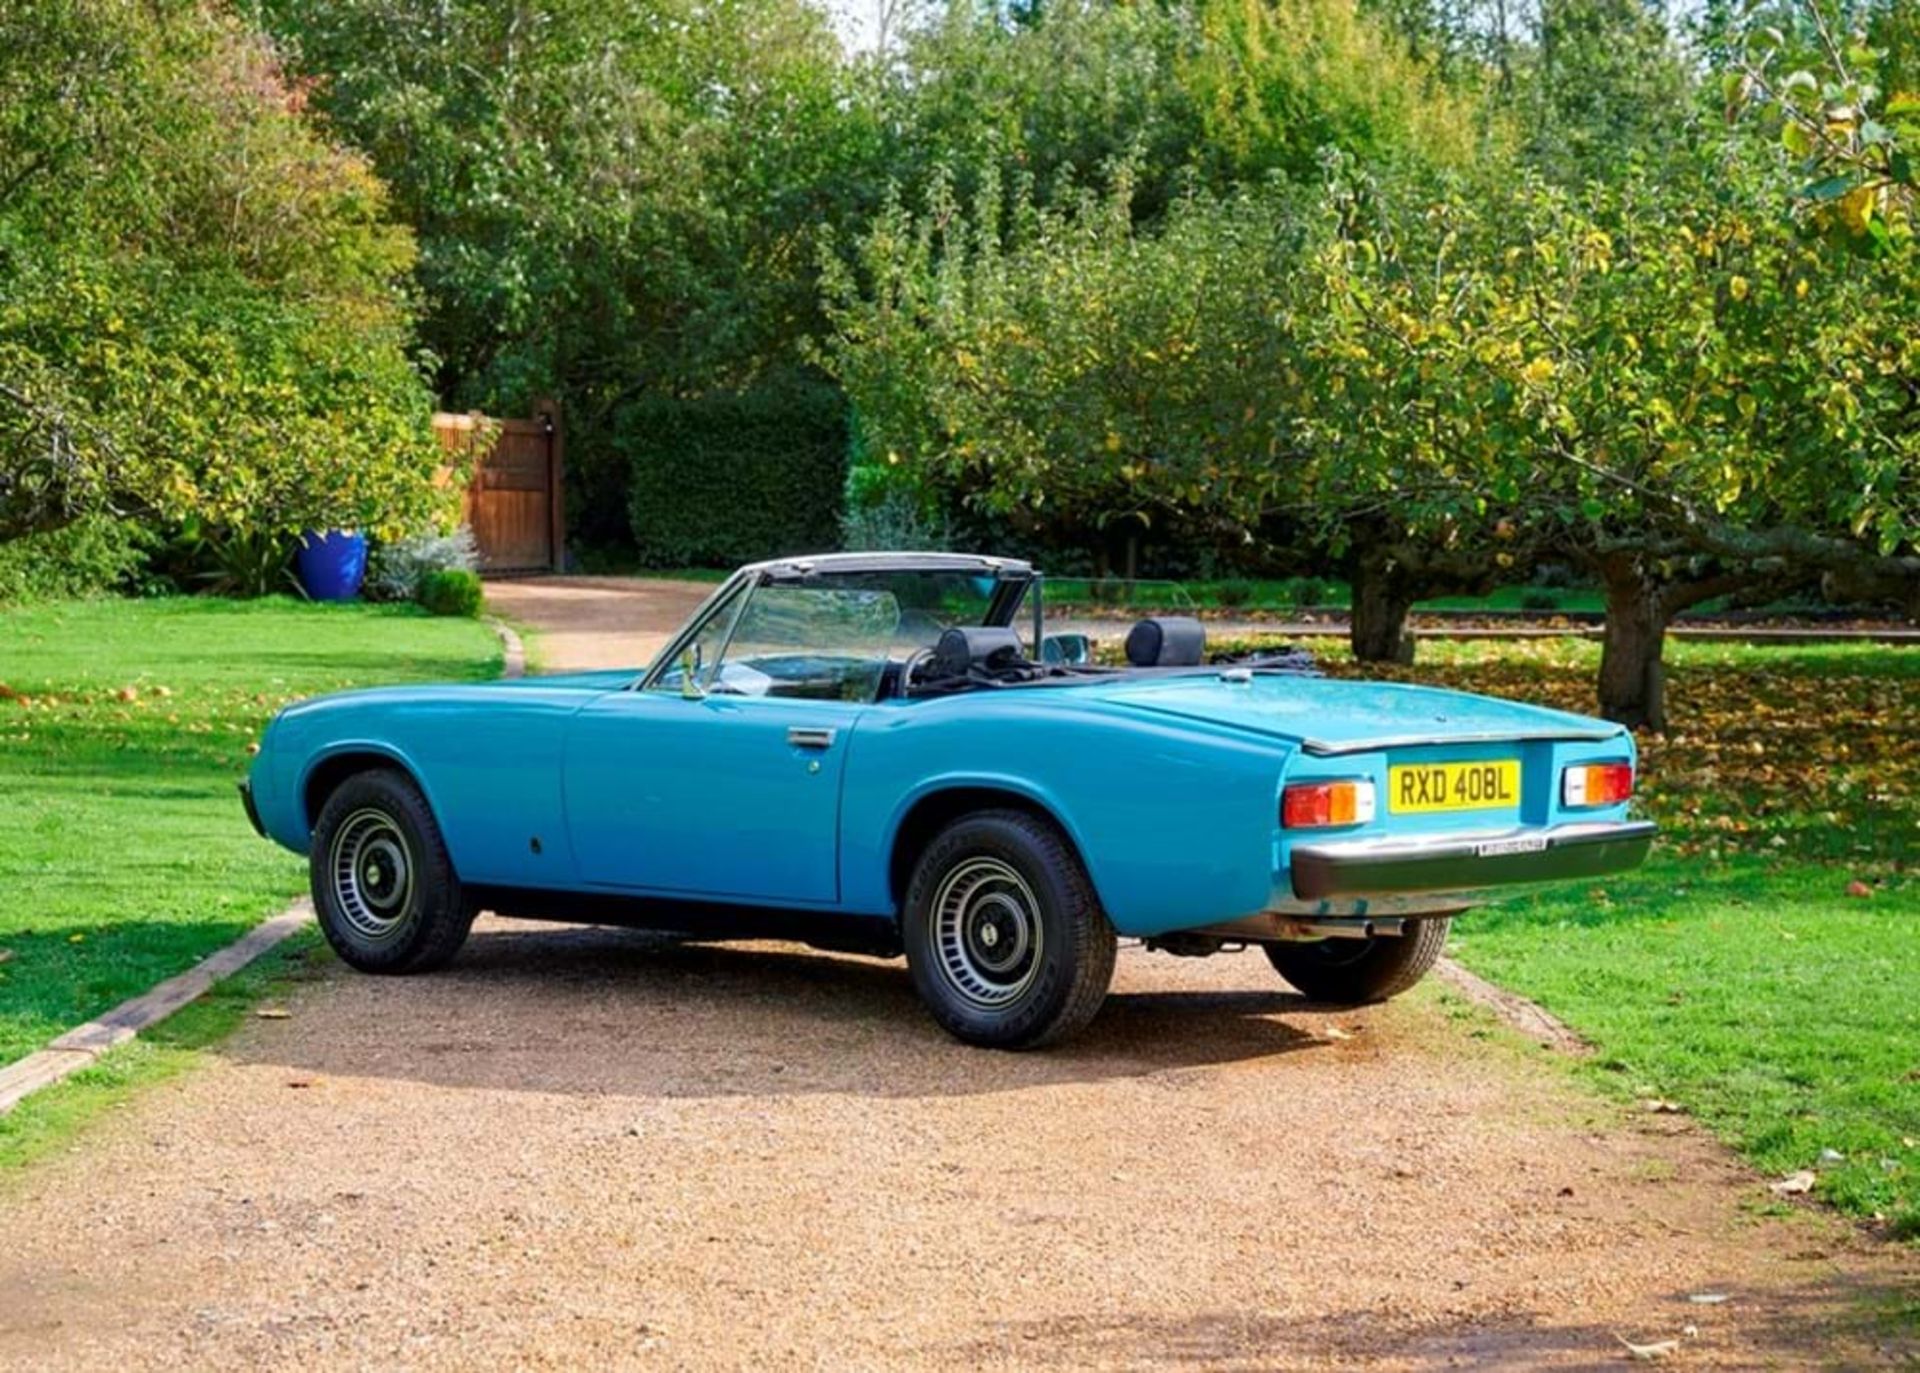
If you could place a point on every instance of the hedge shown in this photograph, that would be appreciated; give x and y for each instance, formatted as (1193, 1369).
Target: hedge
(734, 477)
(88, 558)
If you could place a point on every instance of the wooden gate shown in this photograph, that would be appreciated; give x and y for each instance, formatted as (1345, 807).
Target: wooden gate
(515, 502)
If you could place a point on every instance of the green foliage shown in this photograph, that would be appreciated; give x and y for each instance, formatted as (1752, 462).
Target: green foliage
(1064, 369)
(735, 477)
(1275, 82)
(201, 314)
(609, 198)
(1817, 81)
(451, 591)
(85, 558)
(397, 566)
(1234, 592)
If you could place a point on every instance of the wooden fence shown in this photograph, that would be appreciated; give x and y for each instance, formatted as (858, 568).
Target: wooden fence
(516, 502)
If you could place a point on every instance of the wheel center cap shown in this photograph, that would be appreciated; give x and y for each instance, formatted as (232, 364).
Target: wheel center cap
(990, 935)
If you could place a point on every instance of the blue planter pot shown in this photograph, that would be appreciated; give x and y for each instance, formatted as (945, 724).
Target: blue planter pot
(332, 564)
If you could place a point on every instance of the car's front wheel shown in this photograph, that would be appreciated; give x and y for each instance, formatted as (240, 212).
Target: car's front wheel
(383, 886)
(1005, 935)
(1356, 971)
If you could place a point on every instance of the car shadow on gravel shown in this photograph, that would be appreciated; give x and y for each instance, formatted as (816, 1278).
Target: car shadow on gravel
(603, 1011)
(1836, 1320)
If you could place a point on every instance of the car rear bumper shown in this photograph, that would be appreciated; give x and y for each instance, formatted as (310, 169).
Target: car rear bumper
(1465, 863)
(253, 812)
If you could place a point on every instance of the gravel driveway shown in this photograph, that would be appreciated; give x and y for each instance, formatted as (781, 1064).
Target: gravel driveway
(591, 1147)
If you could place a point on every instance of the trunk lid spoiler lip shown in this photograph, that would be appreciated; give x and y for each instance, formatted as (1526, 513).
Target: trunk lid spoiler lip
(1322, 748)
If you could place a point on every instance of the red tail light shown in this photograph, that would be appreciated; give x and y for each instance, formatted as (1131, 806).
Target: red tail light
(1596, 784)
(1316, 805)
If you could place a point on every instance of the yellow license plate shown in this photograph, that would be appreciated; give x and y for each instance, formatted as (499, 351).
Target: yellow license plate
(1416, 787)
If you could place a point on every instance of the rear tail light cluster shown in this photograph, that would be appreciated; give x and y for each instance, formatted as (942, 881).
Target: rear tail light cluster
(1318, 805)
(1596, 784)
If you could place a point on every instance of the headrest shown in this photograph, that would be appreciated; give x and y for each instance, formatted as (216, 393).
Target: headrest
(966, 647)
(1167, 641)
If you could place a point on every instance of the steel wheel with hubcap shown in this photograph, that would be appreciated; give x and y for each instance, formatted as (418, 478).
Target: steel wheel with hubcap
(383, 886)
(1005, 935)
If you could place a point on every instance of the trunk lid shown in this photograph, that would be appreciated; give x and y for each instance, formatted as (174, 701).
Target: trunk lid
(1329, 716)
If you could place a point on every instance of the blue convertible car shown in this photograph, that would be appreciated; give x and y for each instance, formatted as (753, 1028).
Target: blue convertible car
(863, 751)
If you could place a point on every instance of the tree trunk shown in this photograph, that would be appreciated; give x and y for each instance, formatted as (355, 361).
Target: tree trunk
(1632, 676)
(1382, 599)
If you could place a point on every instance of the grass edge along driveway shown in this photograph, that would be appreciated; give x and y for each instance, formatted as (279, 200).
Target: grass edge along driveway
(1762, 971)
(124, 854)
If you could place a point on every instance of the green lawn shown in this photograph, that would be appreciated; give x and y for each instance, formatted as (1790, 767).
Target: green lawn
(124, 855)
(1763, 971)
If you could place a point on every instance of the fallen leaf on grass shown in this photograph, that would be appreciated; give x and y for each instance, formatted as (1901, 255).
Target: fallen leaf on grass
(1859, 888)
(127, 693)
(76, 939)
(300, 1082)
(1794, 1184)
(273, 1013)
(1647, 1353)
(1661, 1106)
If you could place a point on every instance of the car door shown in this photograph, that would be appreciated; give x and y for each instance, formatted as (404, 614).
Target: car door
(717, 797)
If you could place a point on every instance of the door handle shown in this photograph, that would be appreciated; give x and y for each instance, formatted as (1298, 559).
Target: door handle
(805, 736)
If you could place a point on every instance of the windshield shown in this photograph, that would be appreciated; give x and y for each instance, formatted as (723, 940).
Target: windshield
(830, 636)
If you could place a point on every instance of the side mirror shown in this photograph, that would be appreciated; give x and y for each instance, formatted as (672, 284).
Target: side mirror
(689, 675)
(1066, 650)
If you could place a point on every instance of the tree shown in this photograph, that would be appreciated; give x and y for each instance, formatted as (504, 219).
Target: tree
(1071, 371)
(202, 312)
(610, 199)
(1679, 390)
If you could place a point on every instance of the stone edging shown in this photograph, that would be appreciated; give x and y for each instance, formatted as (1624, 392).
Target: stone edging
(81, 1046)
(1531, 1020)
(514, 653)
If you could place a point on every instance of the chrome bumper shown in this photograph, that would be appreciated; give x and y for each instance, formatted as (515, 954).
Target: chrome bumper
(1468, 862)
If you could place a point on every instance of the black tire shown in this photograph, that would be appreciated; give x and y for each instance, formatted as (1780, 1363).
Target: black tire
(1005, 936)
(383, 886)
(1355, 971)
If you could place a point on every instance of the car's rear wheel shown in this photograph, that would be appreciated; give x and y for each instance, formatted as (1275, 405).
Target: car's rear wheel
(383, 886)
(1354, 971)
(1005, 936)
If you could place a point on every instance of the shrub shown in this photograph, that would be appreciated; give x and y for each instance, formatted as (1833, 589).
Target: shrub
(87, 558)
(451, 591)
(399, 567)
(893, 522)
(734, 477)
(1539, 598)
(1236, 592)
(1310, 591)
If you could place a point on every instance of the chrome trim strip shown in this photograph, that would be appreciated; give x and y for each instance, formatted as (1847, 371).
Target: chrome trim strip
(1468, 862)
(1322, 748)
(695, 623)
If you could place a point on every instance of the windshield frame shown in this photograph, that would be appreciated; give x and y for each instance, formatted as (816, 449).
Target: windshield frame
(1013, 581)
